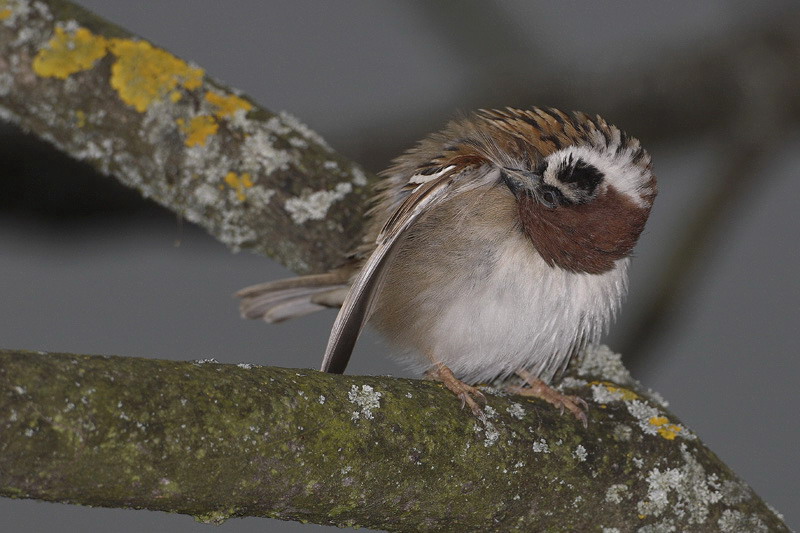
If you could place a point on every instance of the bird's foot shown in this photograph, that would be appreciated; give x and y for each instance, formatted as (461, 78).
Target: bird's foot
(539, 389)
(467, 393)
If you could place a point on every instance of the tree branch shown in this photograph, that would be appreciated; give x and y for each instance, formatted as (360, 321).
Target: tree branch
(218, 441)
(158, 124)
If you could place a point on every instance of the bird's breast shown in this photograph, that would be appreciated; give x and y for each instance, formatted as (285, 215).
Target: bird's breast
(467, 288)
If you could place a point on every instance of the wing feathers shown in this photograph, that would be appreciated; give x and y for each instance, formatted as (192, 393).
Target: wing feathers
(357, 306)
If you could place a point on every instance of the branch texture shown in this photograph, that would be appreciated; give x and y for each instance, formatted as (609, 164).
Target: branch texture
(252, 178)
(218, 441)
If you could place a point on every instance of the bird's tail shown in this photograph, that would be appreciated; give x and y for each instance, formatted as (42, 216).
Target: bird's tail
(276, 301)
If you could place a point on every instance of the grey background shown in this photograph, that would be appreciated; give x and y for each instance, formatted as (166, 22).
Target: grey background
(87, 268)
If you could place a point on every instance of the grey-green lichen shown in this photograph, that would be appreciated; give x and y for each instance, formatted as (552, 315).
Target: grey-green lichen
(217, 441)
(603, 363)
(315, 205)
(693, 491)
(616, 493)
(733, 521)
(366, 399)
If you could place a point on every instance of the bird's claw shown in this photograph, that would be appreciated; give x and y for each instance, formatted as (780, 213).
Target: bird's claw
(466, 393)
(539, 389)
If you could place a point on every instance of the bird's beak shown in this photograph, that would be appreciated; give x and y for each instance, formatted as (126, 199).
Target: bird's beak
(521, 181)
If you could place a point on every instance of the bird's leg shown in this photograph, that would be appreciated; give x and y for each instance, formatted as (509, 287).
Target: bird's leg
(539, 389)
(467, 393)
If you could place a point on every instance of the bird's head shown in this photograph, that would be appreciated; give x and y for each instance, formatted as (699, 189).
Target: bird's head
(584, 188)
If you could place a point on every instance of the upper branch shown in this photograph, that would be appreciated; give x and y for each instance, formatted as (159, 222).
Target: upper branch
(252, 178)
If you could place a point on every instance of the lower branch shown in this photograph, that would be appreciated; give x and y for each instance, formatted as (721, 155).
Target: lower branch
(218, 441)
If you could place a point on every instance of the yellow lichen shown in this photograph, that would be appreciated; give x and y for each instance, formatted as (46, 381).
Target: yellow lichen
(227, 105)
(5, 13)
(68, 53)
(80, 118)
(144, 74)
(665, 429)
(625, 394)
(239, 183)
(198, 129)
(669, 432)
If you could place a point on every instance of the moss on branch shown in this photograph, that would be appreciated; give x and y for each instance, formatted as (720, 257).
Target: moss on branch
(218, 441)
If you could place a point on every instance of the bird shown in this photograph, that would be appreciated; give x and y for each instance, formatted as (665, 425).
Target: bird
(495, 249)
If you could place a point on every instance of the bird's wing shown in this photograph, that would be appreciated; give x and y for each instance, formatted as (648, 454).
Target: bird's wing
(428, 191)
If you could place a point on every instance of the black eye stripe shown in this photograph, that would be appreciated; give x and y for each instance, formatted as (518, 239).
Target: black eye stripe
(581, 175)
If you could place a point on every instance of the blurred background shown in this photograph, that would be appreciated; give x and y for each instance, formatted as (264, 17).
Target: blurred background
(712, 89)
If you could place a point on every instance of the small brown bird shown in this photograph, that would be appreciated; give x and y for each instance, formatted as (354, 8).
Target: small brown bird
(498, 246)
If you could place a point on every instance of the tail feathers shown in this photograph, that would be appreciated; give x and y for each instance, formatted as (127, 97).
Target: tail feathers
(281, 300)
(336, 277)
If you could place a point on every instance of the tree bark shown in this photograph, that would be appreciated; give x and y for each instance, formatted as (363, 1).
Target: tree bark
(218, 441)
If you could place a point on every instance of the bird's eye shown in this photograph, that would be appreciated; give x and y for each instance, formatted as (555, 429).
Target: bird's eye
(550, 196)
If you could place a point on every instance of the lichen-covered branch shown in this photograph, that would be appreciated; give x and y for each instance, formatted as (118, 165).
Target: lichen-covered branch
(218, 441)
(157, 123)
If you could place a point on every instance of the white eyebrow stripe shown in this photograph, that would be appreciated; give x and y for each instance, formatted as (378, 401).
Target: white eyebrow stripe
(620, 172)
